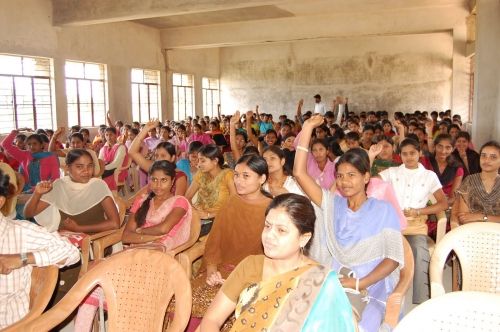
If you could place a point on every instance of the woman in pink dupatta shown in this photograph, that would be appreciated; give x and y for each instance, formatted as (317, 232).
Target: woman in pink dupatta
(158, 220)
(114, 155)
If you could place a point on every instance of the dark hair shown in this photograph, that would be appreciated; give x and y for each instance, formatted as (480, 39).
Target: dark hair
(40, 131)
(168, 169)
(281, 155)
(21, 137)
(45, 138)
(182, 127)
(271, 131)
(49, 131)
(334, 148)
(358, 158)
(167, 146)
(36, 137)
(353, 135)
(119, 123)
(321, 142)
(493, 144)
(409, 141)
(369, 127)
(77, 135)
(110, 130)
(211, 151)
(134, 131)
(84, 130)
(197, 125)
(258, 165)
(443, 137)
(5, 189)
(249, 150)
(381, 138)
(74, 154)
(194, 147)
(76, 128)
(463, 134)
(300, 211)
(243, 134)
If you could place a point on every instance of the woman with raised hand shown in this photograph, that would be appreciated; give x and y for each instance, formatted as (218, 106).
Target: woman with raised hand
(359, 236)
(163, 151)
(114, 155)
(283, 276)
(35, 164)
(236, 231)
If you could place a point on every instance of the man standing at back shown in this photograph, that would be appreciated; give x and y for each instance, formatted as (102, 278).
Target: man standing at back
(319, 107)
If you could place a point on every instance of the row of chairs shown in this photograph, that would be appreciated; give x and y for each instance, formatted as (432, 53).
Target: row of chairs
(472, 244)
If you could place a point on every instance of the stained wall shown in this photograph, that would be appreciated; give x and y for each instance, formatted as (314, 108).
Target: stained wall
(393, 73)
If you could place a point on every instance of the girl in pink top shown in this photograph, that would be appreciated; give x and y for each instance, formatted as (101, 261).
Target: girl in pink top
(198, 135)
(36, 165)
(114, 155)
(158, 220)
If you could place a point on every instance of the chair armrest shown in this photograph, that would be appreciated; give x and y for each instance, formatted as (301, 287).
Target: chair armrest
(441, 226)
(187, 257)
(100, 244)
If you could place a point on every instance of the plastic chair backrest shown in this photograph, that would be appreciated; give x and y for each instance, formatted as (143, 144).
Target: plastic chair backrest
(477, 248)
(43, 283)
(194, 234)
(454, 312)
(138, 285)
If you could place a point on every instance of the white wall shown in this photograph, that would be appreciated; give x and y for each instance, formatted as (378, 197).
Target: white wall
(26, 28)
(393, 73)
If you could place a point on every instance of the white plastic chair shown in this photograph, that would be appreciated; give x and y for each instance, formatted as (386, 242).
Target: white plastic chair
(477, 248)
(455, 312)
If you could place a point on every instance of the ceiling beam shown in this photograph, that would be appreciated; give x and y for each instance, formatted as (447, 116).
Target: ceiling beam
(85, 12)
(387, 22)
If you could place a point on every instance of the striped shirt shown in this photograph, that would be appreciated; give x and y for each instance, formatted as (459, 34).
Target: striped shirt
(47, 248)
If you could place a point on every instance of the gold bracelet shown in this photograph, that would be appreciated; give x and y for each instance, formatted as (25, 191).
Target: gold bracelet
(301, 148)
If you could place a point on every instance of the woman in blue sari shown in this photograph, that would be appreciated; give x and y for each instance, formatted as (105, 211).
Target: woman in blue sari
(359, 237)
(283, 290)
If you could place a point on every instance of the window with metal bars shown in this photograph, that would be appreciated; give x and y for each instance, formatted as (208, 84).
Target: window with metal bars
(25, 93)
(210, 90)
(145, 94)
(86, 93)
(183, 96)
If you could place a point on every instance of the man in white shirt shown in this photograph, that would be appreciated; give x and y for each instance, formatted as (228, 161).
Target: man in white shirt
(319, 107)
(22, 246)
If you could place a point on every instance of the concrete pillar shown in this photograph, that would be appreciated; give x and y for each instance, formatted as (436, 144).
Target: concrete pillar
(198, 95)
(460, 83)
(486, 114)
(60, 103)
(120, 93)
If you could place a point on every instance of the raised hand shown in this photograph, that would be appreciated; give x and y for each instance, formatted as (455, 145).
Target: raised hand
(235, 118)
(301, 102)
(153, 123)
(43, 187)
(59, 132)
(375, 150)
(314, 121)
(249, 115)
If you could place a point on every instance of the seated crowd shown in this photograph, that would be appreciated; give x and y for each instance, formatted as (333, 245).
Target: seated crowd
(325, 199)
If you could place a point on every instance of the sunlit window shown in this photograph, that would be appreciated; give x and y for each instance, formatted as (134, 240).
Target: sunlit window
(145, 94)
(86, 93)
(183, 96)
(210, 89)
(25, 93)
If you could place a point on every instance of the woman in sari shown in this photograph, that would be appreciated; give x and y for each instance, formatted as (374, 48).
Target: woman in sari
(162, 151)
(236, 231)
(36, 164)
(264, 291)
(479, 194)
(358, 236)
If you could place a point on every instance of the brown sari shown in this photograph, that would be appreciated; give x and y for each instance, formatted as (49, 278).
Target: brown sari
(236, 234)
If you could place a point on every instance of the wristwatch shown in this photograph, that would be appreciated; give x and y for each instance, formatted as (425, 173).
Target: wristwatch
(24, 258)
(485, 217)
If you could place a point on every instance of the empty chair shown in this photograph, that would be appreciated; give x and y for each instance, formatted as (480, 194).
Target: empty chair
(476, 246)
(455, 312)
(138, 284)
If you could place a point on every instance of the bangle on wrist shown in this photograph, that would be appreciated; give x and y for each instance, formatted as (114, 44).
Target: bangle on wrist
(301, 148)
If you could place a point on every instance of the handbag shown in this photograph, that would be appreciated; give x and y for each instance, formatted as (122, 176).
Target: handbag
(358, 298)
